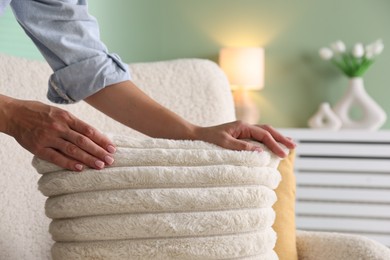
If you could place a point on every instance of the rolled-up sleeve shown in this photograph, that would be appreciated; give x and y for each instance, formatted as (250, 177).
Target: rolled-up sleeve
(68, 38)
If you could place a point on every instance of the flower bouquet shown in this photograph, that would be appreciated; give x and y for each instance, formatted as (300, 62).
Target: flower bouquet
(355, 62)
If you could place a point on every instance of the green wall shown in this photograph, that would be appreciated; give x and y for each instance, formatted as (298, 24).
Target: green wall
(291, 31)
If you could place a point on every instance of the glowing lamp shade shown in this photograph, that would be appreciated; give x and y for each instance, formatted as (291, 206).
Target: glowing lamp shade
(244, 67)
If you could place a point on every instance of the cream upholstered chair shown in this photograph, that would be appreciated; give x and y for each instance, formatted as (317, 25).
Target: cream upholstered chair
(195, 89)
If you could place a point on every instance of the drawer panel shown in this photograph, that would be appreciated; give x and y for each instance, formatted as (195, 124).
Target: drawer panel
(344, 149)
(340, 179)
(343, 164)
(374, 211)
(376, 196)
(373, 226)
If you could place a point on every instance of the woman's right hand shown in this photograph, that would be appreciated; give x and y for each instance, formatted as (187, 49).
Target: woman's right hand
(55, 135)
(233, 136)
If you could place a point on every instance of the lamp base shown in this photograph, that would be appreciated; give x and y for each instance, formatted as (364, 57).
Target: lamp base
(246, 108)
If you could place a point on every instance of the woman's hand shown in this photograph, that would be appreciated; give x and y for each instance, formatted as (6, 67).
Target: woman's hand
(55, 135)
(229, 135)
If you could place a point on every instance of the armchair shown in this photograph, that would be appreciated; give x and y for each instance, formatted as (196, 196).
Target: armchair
(195, 89)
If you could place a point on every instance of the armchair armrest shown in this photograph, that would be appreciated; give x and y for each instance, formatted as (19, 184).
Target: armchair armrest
(336, 246)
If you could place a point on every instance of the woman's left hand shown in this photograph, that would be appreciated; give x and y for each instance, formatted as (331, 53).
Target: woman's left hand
(230, 136)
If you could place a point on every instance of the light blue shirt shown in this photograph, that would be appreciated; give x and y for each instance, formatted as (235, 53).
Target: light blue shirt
(68, 38)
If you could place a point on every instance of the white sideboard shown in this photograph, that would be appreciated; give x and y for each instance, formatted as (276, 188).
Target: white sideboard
(343, 181)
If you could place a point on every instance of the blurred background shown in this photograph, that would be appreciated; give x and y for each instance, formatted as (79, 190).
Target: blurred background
(291, 32)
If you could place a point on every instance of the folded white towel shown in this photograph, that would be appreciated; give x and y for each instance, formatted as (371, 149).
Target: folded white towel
(134, 152)
(164, 199)
(106, 202)
(110, 178)
(238, 246)
(136, 226)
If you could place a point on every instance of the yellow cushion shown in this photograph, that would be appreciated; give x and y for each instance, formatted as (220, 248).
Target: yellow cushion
(284, 225)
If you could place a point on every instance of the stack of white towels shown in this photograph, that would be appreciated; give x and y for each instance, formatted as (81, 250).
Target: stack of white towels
(164, 199)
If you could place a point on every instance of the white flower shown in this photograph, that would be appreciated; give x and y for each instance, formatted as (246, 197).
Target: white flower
(374, 49)
(338, 47)
(358, 50)
(326, 53)
(378, 47)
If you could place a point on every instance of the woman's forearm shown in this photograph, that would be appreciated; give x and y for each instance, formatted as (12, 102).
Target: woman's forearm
(127, 104)
(4, 105)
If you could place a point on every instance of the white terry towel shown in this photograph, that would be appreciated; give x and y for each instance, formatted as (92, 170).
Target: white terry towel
(164, 199)
(130, 226)
(253, 246)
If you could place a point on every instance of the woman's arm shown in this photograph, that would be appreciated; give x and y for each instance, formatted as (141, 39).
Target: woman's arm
(127, 104)
(68, 38)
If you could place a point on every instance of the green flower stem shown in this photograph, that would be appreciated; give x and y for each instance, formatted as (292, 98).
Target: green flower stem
(366, 63)
(340, 65)
(355, 62)
(352, 66)
(347, 62)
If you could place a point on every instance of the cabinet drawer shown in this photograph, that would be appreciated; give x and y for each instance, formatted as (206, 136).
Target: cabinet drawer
(343, 182)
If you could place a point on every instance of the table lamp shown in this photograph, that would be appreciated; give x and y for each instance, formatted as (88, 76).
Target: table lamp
(244, 68)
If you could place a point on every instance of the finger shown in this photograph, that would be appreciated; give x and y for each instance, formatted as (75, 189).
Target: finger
(93, 134)
(267, 138)
(288, 142)
(240, 145)
(92, 141)
(87, 145)
(77, 152)
(55, 157)
(292, 143)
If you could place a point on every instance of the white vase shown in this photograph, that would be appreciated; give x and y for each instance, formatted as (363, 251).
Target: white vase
(325, 118)
(373, 116)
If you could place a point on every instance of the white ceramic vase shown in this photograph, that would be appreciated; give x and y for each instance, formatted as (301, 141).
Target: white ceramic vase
(325, 118)
(373, 116)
